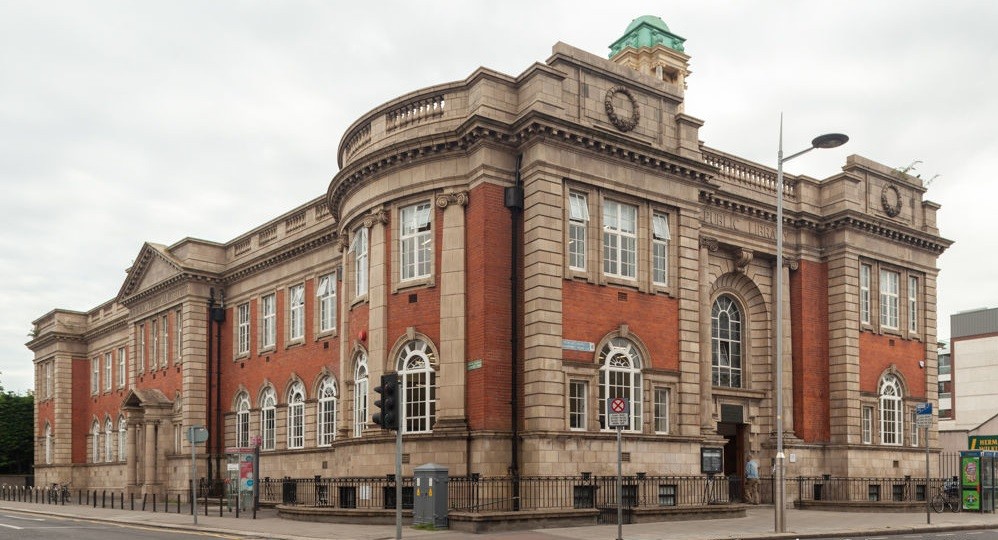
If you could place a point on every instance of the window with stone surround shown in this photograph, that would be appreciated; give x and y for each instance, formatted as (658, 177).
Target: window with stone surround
(360, 384)
(891, 411)
(415, 241)
(108, 441)
(889, 295)
(620, 252)
(864, 293)
(95, 375)
(243, 329)
(415, 364)
(268, 419)
(578, 222)
(296, 415)
(95, 446)
(913, 429)
(360, 261)
(912, 304)
(660, 248)
(326, 413)
(108, 371)
(661, 410)
(178, 337)
(48, 387)
(122, 373)
(242, 420)
(268, 321)
(325, 295)
(48, 444)
(296, 312)
(164, 342)
(578, 392)
(154, 334)
(726, 343)
(122, 438)
(140, 348)
(867, 425)
(620, 377)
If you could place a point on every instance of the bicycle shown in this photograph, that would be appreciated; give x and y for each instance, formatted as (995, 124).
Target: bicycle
(947, 496)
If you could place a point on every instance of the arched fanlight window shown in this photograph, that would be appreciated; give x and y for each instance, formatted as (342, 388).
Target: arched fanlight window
(109, 440)
(122, 438)
(726, 343)
(296, 415)
(95, 454)
(360, 383)
(326, 413)
(48, 444)
(268, 418)
(242, 420)
(418, 390)
(620, 377)
(891, 410)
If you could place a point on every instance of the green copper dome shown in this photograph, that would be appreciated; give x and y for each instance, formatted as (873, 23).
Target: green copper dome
(647, 31)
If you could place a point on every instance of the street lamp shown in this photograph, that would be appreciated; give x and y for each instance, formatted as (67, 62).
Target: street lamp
(830, 140)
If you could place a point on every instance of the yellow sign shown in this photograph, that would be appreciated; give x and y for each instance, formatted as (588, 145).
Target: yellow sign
(982, 442)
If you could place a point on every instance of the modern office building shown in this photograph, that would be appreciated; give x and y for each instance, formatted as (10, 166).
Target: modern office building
(973, 358)
(520, 249)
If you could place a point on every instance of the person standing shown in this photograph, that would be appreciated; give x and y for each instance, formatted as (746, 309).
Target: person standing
(752, 480)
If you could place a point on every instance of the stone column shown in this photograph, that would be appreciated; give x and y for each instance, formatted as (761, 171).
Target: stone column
(451, 382)
(708, 245)
(131, 457)
(149, 457)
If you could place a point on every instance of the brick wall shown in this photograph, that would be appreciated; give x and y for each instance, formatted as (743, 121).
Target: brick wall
(809, 312)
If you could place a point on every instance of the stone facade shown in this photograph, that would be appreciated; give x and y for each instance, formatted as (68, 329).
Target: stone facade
(520, 249)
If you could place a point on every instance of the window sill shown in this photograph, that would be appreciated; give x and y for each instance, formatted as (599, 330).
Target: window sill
(267, 349)
(298, 342)
(240, 357)
(325, 334)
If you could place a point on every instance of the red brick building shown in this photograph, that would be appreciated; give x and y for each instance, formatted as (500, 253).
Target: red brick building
(519, 249)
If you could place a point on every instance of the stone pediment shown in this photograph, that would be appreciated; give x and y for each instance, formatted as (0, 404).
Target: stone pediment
(153, 265)
(146, 398)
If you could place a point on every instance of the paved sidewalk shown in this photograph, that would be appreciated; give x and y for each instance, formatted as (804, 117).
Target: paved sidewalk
(757, 525)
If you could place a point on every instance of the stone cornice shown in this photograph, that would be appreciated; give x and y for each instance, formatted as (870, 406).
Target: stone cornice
(480, 130)
(167, 284)
(821, 225)
(290, 252)
(54, 337)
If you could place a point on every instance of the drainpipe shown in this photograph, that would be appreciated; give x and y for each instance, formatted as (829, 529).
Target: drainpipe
(207, 412)
(218, 316)
(513, 196)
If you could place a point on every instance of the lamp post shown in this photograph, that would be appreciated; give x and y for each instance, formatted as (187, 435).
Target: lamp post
(830, 140)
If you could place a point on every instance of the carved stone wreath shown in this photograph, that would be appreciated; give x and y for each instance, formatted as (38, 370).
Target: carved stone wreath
(890, 199)
(623, 124)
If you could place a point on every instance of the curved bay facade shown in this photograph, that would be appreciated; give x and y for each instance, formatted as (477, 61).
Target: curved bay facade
(520, 250)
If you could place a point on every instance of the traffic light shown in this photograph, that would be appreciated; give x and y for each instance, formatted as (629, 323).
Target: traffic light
(390, 404)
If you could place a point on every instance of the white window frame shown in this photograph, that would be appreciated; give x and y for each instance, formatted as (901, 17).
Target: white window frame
(620, 376)
(578, 226)
(296, 416)
(268, 419)
(95, 446)
(661, 236)
(912, 304)
(164, 353)
(418, 387)
(108, 371)
(361, 270)
(243, 329)
(154, 332)
(578, 401)
(660, 409)
(48, 370)
(296, 312)
(242, 420)
(889, 298)
(361, 381)
(326, 410)
(122, 438)
(415, 241)
(865, 270)
(48, 443)
(108, 441)
(325, 294)
(867, 425)
(726, 343)
(140, 348)
(892, 417)
(914, 427)
(268, 321)
(122, 367)
(178, 338)
(620, 240)
(95, 375)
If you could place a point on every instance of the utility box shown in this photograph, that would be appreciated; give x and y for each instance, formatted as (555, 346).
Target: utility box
(430, 505)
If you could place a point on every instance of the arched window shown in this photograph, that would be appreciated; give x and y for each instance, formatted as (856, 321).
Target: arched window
(122, 438)
(726, 343)
(95, 456)
(891, 410)
(359, 394)
(48, 444)
(620, 377)
(296, 415)
(419, 401)
(108, 440)
(326, 414)
(242, 420)
(268, 419)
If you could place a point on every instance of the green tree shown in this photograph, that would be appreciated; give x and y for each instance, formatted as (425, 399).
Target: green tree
(16, 432)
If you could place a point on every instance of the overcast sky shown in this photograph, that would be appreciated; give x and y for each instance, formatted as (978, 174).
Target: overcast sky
(124, 122)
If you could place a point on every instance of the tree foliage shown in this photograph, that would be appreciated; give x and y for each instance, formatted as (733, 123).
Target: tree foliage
(16, 432)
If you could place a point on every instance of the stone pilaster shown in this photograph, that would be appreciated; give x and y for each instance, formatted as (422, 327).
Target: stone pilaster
(453, 317)
(707, 246)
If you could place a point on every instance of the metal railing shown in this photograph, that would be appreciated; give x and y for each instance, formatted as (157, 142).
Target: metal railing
(873, 490)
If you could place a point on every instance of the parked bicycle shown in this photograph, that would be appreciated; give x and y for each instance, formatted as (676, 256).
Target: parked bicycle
(947, 496)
